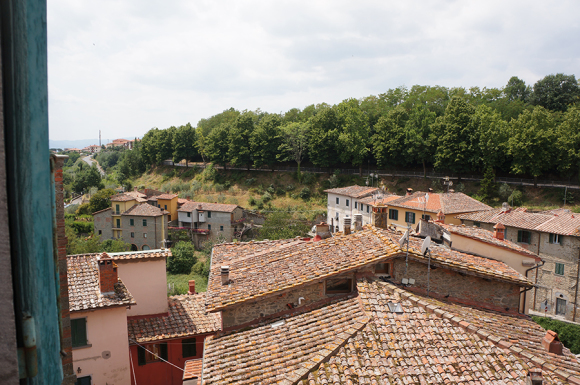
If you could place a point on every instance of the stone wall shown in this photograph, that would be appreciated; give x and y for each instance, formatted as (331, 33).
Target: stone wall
(460, 287)
(150, 235)
(103, 222)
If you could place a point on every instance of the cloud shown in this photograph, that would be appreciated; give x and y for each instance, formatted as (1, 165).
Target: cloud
(125, 66)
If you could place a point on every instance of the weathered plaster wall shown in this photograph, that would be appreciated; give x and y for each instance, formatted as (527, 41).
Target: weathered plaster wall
(146, 280)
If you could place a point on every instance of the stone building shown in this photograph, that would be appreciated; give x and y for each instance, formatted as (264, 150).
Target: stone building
(215, 220)
(555, 237)
(144, 227)
(353, 309)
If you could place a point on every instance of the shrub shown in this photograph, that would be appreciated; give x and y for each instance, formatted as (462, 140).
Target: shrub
(252, 201)
(219, 187)
(280, 191)
(250, 181)
(114, 246)
(221, 198)
(290, 187)
(201, 268)
(436, 185)
(517, 198)
(568, 195)
(271, 189)
(305, 193)
(504, 192)
(84, 209)
(81, 227)
(179, 186)
(487, 190)
(209, 174)
(182, 258)
(308, 178)
(188, 174)
(266, 197)
(569, 334)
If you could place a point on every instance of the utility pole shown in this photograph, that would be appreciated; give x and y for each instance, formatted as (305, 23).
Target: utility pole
(99, 138)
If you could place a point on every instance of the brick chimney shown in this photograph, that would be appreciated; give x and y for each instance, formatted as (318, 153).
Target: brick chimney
(499, 231)
(552, 343)
(191, 287)
(107, 273)
(430, 190)
(322, 231)
(409, 191)
(440, 217)
(534, 377)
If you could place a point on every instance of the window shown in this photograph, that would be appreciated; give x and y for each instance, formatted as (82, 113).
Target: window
(117, 209)
(195, 225)
(337, 200)
(189, 215)
(555, 238)
(165, 207)
(409, 217)
(132, 222)
(209, 227)
(560, 306)
(151, 353)
(100, 232)
(78, 329)
(559, 268)
(347, 202)
(394, 214)
(144, 235)
(132, 235)
(338, 285)
(426, 217)
(356, 205)
(383, 268)
(118, 221)
(361, 207)
(368, 208)
(145, 247)
(209, 214)
(144, 222)
(188, 348)
(477, 224)
(337, 216)
(524, 236)
(86, 380)
(221, 228)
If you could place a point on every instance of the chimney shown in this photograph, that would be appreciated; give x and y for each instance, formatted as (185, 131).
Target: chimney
(430, 190)
(534, 377)
(225, 273)
(440, 217)
(409, 191)
(107, 274)
(505, 207)
(451, 191)
(322, 231)
(346, 225)
(499, 230)
(358, 222)
(191, 287)
(552, 343)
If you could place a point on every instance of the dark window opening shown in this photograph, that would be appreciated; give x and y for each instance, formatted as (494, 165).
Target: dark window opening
(151, 353)
(78, 332)
(188, 348)
(394, 214)
(338, 285)
(383, 268)
(524, 236)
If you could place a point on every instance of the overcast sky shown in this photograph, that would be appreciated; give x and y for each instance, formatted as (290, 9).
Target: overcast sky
(124, 67)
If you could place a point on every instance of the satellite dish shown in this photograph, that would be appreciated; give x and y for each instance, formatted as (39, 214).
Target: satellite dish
(425, 245)
(404, 238)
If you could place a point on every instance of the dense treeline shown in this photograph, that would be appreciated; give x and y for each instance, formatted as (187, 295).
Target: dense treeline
(518, 129)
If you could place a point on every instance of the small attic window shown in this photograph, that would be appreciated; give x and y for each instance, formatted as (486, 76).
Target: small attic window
(383, 268)
(395, 307)
(338, 285)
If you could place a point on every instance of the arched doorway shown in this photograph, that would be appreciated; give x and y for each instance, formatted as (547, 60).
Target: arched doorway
(134, 247)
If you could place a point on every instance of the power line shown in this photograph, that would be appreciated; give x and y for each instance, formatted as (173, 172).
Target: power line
(156, 355)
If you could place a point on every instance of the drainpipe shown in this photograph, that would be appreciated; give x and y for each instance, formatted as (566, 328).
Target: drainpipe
(526, 274)
(536, 280)
(576, 291)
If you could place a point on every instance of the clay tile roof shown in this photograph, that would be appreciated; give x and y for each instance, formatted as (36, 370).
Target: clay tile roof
(83, 286)
(166, 196)
(563, 224)
(127, 196)
(353, 191)
(486, 236)
(102, 211)
(267, 354)
(279, 266)
(448, 203)
(187, 317)
(372, 201)
(140, 255)
(192, 369)
(144, 210)
(220, 207)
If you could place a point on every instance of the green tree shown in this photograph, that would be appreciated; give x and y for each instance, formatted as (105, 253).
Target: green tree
(240, 152)
(455, 137)
(217, 145)
(354, 133)
(389, 138)
(488, 188)
(184, 144)
(182, 259)
(282, 225)
(101, 200)
(87, 177)
(266, 140)
(516, 89)
(556, 92)
(114, 246)
(323, 137)
(531, 142)
(294, 143)
(419, 139)
(490, 134)
(568, 143)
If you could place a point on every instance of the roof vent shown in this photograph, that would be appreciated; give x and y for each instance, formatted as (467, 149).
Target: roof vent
(552, 343)
(395, 307)
(225, 273)
(534, 377)
(409, 191)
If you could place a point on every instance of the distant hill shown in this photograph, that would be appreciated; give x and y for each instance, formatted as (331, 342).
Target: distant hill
(81, 143)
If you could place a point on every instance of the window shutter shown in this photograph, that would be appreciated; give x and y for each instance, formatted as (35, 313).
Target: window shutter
(163, 350)
(519, 235)
(141, 355)
(560, 239)
(551, 238)
(79, 332)
(412, 217)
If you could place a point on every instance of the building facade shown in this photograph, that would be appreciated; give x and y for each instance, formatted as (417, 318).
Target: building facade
(215, 220)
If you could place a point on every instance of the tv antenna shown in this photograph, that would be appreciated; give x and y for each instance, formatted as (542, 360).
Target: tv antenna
(405, 238)
(425, 250)
(447, 182)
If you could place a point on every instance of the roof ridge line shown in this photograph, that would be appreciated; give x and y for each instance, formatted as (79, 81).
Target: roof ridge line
(497, 341)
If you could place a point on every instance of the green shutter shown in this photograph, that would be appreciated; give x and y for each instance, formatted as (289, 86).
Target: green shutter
(141, 356)
(519, 235)
(79, 332)
(412, 217)
(163, 350)
(551, 238)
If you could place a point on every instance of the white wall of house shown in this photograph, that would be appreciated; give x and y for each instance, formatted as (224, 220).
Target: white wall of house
(106, 356)
(336, 212)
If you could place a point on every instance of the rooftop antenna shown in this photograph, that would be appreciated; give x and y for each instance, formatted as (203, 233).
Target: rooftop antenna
(447, 183)
(99, 138)
(405, 238)
(425, 250)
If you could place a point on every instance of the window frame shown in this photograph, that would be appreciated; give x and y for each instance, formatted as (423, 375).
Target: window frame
(355, 205)
(221, 228)
(189, 214)
(131, 222)
(347, 202)
(144, 222)
(338, 291)
(426, 217)
(394, 214)
(74, 326)
(559, 268)
(144, 357)
(521, 237)
(337, 200)
(208, 226)
(555, 239)
(186, 347)
(384, 271)
(407, 213)
(209, 214)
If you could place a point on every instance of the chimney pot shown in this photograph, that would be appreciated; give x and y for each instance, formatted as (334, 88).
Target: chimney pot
(552, 343)
(191, 287)
(225, 273)
(430, 190)
(409, 191)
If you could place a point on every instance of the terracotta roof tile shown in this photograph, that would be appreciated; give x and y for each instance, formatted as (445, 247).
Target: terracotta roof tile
(449, 203)
(102, 211)
(279, 266)
(486, 236)
(187, 317)
(144, 210)
(127, 196)
(270, 354)
(166, 196)
(563, 224)
(83, 286)
(353, 191)
(148, 254)
(220, 207)
(373, 201)
(192, 369)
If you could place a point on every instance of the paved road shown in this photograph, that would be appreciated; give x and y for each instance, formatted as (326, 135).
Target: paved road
(90, 162)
